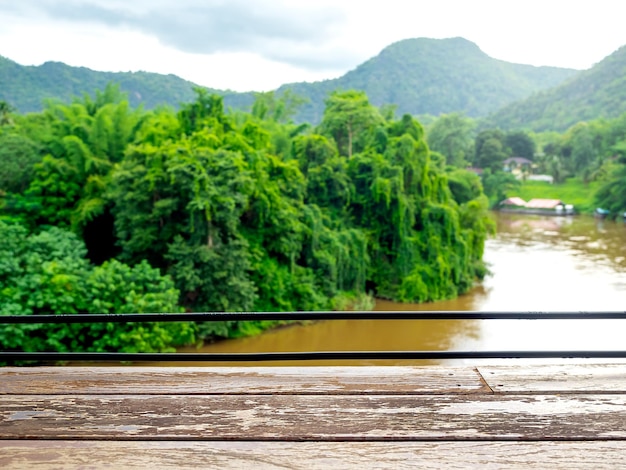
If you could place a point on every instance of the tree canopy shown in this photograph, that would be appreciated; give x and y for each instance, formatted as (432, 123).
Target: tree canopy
(204, 210)
(452, 136)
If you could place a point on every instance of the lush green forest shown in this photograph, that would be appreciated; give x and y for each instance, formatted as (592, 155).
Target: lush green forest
(109, 208)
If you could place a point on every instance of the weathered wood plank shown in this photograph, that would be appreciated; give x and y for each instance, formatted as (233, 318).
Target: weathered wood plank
(241, 380)
(311, 456)
(315, 417)
(556, 378)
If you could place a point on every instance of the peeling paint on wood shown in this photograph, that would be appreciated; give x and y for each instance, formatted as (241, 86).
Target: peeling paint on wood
(591, 378)
(45, 455)
(545, 416)
(242, 380)
(300, 417)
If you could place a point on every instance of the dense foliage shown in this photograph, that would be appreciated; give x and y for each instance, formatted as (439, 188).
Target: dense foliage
(47, 272)
(452, 135)
(112, 209)
(458, 145)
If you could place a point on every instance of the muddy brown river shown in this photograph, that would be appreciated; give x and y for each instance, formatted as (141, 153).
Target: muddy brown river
(537, 264)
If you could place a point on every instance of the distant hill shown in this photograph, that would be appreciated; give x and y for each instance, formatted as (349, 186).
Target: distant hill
(420, 76)
(599, 92)
(26, 87)
(434, 76)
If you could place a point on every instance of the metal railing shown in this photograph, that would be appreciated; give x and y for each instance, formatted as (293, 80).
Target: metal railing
(12, 356)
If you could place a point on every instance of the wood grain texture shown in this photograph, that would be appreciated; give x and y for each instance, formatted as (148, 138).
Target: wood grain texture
(240, 380)
(590, 378)
(314, 417)
(504, 416)
(45, 455)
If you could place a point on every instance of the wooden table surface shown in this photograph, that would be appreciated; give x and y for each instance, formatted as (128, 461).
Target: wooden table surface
(498, 416)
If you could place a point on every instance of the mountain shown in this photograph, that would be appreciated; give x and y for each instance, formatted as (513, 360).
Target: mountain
(420, 76)
(434, 76)
(26, 87)
(599, 92)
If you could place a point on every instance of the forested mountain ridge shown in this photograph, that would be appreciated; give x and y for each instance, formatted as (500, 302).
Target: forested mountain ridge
(434, 76)
(26, 87)
(599, 92)
(420, 76)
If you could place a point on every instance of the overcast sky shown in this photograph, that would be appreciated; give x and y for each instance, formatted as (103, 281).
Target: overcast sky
(260, 44)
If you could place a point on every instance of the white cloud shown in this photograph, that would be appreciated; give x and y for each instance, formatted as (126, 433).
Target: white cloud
(274, 30)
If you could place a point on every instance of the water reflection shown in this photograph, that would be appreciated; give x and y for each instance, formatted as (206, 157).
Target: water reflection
(352, 335)
(537, 264)
(555, 264)
(598, 240)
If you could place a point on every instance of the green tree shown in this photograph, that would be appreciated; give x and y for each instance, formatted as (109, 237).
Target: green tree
(521, 144)
(349, 119)
(580, 138)
(270, 106)
(499, 185)
(452, 136)
(82, 142)
(47, 273)
(18, 155)
(490, 150)
(206, 110)
(464, 185)
(416, 243)
(612, 194)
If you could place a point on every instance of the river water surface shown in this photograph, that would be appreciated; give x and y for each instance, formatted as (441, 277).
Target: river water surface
(537, 264)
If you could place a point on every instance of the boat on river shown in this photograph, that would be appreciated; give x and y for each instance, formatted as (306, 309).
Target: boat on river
(601, 213)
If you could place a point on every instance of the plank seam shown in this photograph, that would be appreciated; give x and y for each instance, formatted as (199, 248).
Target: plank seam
(483, 381)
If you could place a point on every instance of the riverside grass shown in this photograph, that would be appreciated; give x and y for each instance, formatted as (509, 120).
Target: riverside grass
(572, 191)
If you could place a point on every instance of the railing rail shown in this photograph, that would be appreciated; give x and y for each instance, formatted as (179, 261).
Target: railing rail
(302, 316)
(13, 356)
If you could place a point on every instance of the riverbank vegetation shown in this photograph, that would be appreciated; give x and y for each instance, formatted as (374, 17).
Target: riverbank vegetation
(588, 159)
(107, 208)
(585, 163)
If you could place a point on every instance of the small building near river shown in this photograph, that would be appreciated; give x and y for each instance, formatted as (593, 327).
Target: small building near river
(513, 202)
(536, 206)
